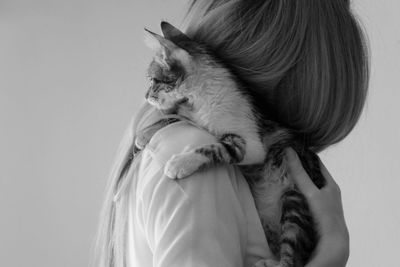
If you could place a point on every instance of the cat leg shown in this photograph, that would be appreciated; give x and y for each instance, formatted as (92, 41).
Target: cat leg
(298, 230)
(294, 233)
(230, 149)
(310, 162)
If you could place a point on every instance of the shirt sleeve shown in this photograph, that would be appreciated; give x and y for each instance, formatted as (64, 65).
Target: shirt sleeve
(208, 219)
(197, 221)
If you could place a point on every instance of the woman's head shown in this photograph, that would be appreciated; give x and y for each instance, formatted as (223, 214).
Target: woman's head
(306, 58)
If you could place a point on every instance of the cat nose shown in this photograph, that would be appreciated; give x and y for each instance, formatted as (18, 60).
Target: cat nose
(151, 94)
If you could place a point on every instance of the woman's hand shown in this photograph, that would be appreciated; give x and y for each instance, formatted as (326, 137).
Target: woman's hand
(326, 206)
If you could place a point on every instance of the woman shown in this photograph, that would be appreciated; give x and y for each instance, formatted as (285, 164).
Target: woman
(307, 60)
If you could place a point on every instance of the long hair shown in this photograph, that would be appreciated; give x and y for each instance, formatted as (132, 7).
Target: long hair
(307, 60)
(110, 246)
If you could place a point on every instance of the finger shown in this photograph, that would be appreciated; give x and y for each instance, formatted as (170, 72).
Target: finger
(328, 177)
(298, 174)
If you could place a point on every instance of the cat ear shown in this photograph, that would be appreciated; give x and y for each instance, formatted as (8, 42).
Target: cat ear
(173, 34)
(167, 51)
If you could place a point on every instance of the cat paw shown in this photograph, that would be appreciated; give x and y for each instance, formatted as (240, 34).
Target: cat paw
(267, 263)
(182, 165)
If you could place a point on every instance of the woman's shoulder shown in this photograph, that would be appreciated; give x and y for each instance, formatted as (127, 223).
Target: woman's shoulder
(172, 140)
(175, 138)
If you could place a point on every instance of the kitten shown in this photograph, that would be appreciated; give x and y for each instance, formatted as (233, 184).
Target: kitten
(187, 79)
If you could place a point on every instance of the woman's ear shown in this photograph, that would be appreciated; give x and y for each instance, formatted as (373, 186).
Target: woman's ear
(167, 51)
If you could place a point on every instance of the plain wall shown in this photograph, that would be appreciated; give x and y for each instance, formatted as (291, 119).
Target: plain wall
(72, 76)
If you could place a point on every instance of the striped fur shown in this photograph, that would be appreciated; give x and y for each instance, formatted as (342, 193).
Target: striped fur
(187, 80)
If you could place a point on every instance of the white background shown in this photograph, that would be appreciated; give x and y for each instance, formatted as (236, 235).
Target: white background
(71, 77)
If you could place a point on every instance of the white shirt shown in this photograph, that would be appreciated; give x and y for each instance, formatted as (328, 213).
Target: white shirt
(207, 219)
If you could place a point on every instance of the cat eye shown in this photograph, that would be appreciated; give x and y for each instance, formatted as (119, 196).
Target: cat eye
(169, 81)
(166, 81)
(154, 80)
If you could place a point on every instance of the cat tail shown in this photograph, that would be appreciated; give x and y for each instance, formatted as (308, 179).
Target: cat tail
(299, 232)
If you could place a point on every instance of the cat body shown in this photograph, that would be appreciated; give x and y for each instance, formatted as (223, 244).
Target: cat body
(188, 80)
(210, 99)
(222, 111)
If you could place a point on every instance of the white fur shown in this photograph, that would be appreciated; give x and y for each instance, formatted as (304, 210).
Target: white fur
(214, 101)
(221, 108)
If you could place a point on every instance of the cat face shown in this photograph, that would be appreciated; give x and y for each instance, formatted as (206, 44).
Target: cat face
(166, 80)
(178, 70)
